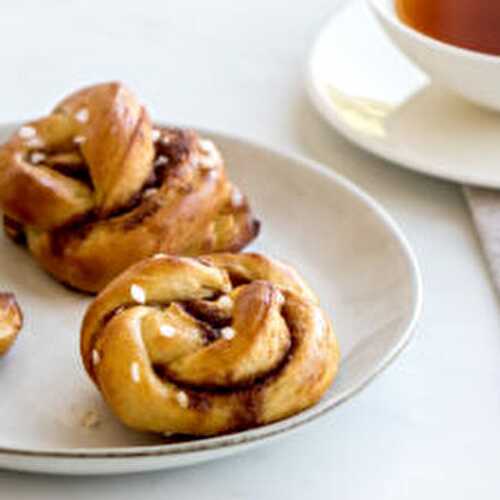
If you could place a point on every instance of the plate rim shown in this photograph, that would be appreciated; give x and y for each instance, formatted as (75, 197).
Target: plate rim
(317, 95)
(275, 429)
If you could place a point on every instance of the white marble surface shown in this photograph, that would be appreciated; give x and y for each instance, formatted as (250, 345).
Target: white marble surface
(428, 427)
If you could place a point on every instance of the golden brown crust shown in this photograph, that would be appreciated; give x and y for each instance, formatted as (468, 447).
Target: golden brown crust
(209, 345)
(90, 209)
(117, 150)
(11, 321)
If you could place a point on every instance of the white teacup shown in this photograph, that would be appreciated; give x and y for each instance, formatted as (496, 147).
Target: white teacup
(473, 75)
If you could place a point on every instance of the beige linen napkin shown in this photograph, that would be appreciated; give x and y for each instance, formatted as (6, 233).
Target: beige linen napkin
(484, 205)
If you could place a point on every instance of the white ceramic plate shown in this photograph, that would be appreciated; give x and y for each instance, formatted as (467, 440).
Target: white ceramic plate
(369, 92)
(340, 239)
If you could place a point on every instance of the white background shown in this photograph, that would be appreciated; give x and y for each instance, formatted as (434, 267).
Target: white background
(428, 427)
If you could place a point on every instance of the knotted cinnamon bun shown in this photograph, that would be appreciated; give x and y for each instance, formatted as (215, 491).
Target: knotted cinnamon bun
(11, 321)
(93, 187)
(209, 345)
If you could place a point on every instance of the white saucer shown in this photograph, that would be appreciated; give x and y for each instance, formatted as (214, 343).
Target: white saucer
(340, 239)
(369, 92)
